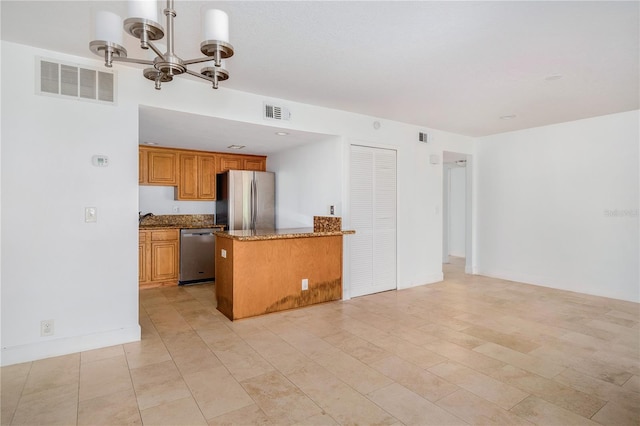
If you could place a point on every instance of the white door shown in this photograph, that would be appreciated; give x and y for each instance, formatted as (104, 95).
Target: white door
(373, 216)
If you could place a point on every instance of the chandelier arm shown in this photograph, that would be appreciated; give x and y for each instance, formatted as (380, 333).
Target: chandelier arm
(131, 60)
(155, 49)
(204, 77)
(197, 61)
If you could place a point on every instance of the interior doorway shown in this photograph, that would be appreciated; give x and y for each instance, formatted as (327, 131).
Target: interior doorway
(456, 202)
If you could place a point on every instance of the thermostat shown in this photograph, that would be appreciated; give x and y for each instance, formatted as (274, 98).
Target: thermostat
(100, 160)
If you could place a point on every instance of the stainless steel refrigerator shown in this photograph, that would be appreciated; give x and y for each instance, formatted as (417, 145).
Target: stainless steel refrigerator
(246, 200)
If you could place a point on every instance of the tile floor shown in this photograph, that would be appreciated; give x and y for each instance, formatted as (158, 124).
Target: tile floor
(469, 350)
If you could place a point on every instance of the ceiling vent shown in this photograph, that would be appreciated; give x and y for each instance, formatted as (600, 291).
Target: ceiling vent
(423, 137)
(72, 81)
(276, 112)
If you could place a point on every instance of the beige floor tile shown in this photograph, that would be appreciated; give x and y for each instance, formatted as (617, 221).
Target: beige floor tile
(12, 381)
(242, 360)
(318, 420)
(217, 392)
(414, 378)
(385, 346)
(542, 412)
(478, 411)
(179, 412)
(48, 406)
(53, 372)
(119, 408)
(357, 347)
(493, 390)
(340, 401)
(157, 384)
(146, 352)
(103, 353)
(614, 414)
(281, 401)
(512, 341)
(421, 356)
(605, 391)
(464, 356)
(585, 363)
(355, 373)
(549, 390)
(460, 338)
(190, 353)
(279, 353)
(410, 408)
(541, 366)
(633, 384)
(103, 377)
(249, 415)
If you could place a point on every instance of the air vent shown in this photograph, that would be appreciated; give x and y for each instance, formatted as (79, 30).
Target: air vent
(423, 137)
(275, 112)
(72, 81)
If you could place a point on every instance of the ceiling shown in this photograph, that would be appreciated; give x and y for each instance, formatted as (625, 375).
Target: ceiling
(453, 66)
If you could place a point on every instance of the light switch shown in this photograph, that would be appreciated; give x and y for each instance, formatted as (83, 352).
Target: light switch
(223, 253)
(90, 214)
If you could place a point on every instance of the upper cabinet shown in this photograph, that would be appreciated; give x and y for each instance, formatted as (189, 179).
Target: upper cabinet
(197, 177)
(158, 166)
(241, 162)
(192, 173)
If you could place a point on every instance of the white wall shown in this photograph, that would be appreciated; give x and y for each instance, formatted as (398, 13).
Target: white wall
(160, 200)
(457, 211)
(54, 266)
(545, 198)
(308, 181)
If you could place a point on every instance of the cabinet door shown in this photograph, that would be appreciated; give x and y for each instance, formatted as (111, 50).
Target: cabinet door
(142, 166)
(188, 185)
(230, 162)
(164, 260)
(144, 258)
(256, 164)
(206, 177)
(162, 168)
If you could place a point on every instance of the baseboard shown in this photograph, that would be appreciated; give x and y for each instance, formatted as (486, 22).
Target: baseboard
(429, 279)
(64, 346)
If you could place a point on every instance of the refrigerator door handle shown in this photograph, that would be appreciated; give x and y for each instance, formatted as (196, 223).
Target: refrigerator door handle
(254, 203)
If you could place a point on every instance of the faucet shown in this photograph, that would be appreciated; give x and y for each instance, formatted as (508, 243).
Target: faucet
(141, 216)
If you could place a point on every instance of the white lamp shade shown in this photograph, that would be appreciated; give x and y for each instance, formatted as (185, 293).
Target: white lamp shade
(108, 27)
(147, 9)
(215, 25)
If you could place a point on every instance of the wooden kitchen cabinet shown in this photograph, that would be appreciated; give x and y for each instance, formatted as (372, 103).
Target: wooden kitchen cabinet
(158, 262)
(142, 166)
(197, 177)
(241, 162)
(158, 166)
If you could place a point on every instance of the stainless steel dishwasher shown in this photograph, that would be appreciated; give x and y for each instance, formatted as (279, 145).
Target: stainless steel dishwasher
(197, 255)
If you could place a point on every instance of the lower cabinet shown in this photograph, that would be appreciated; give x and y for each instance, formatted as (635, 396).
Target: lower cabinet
(158, 262)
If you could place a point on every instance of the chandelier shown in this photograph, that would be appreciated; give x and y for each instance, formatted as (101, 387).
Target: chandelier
(143, 25)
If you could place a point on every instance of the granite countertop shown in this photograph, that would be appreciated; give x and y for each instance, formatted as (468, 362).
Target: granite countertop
(277, 234)
(178, 221)
(190, 226)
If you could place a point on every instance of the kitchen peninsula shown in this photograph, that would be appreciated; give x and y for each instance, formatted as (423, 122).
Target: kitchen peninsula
(259, 272)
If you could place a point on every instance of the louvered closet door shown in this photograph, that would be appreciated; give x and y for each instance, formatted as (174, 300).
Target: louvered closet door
(373, 216)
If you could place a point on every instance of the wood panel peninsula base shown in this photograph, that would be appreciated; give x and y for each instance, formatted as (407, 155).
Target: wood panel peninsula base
(258, 272)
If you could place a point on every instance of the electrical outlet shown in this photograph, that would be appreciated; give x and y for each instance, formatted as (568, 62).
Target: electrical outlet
(90, 214)
(305, 284)
(46, 328)
(176, 209)
(223, 253)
